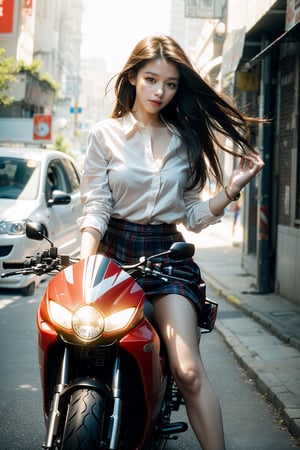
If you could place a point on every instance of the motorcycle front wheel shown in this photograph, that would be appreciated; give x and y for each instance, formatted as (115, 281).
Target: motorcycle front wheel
(84, 421)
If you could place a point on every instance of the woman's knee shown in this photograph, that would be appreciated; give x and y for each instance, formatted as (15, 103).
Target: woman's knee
(188, 379)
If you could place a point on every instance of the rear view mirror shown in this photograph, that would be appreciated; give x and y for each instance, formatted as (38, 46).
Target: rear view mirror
(35, 231)
(182, 250)
(59, 198)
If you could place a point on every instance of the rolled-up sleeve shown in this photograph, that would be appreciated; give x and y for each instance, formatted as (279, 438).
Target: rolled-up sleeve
(198, 213)
(96, 195)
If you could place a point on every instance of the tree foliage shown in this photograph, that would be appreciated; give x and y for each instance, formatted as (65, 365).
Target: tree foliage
(8, 70)
(10, 67)
(60, 143)
(35, 69)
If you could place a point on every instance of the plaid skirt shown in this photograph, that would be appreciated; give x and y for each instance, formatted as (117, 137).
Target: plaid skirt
(126, 242)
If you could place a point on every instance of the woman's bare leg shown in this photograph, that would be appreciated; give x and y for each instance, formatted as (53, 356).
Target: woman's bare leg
(176, 319)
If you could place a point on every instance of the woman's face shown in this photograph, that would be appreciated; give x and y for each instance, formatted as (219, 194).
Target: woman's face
(156, 84)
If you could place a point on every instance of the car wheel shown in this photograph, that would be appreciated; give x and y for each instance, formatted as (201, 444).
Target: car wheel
(28, 290)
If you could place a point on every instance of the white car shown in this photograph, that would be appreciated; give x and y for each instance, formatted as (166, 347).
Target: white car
(36, 185)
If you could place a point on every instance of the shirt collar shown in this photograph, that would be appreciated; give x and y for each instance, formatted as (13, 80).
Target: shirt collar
(130, 124)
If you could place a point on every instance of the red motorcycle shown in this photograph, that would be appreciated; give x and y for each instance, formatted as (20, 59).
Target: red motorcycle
(104, 371)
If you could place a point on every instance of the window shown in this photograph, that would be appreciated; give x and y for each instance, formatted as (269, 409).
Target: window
(56, 179)
(72, 174)
(19, 178)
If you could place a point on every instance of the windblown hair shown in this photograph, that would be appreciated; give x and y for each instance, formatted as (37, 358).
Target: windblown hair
(197, 112)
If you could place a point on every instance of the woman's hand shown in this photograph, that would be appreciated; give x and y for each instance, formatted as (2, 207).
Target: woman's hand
(248, 167)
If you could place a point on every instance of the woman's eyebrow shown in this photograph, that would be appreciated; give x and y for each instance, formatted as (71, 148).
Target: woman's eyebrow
(149, 72)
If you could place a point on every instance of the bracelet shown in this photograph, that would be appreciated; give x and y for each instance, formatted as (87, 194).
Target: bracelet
(234, 198)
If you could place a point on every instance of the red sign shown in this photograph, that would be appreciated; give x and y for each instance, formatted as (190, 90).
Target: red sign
(42, 127)
(6, 16)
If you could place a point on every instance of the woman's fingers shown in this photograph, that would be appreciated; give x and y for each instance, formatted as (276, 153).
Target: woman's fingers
(248, 167)
(251, 161)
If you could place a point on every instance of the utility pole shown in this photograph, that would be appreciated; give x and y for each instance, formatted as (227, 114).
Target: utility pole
(263, 226)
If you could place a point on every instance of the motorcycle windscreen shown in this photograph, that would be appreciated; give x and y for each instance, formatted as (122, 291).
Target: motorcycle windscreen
(98, 281)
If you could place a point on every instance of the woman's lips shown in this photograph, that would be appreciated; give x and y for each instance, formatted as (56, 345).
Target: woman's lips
(155, 102)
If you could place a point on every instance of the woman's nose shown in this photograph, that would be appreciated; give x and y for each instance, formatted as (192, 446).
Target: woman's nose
(160, 91)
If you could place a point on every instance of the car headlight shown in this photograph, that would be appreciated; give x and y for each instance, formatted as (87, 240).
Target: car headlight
(119, 320)
(13, 227)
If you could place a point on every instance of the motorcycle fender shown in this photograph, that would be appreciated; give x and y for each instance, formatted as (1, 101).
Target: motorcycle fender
(86, 383)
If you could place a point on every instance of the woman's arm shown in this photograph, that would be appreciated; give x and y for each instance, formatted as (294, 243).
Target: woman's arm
(90, 238)
(96, 196)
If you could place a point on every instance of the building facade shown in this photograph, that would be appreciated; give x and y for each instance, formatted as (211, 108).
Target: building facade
(268, 77)
(45, 31)
(260, 63)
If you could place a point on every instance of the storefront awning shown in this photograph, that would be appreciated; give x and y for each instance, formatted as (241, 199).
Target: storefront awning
(292, 35)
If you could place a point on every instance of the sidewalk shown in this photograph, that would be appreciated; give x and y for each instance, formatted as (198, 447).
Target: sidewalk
(263, 331)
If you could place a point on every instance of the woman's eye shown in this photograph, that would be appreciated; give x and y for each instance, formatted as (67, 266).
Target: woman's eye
(150, 79)
(172, 85)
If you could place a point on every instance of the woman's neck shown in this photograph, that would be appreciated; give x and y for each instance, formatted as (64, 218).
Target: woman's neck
(149, 120)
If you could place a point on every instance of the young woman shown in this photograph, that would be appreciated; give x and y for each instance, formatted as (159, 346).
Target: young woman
(144, 170)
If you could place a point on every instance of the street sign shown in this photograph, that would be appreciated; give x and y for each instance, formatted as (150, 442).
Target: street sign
(74, 109)
(42, 127)
(247, 81)
(7, 11)
(204, 9)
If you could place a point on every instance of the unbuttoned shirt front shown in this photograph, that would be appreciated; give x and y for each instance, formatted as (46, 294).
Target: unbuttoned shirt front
(122, 179)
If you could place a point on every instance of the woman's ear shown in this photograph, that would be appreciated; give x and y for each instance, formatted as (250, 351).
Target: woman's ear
(132, 78)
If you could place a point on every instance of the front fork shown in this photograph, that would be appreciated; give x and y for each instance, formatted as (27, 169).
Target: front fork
(116, 417)
(53, 419)
(54, 413)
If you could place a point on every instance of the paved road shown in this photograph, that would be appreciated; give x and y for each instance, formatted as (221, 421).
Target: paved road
(250, 423)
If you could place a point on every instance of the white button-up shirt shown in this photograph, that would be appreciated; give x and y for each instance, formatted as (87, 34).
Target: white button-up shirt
(121, 178)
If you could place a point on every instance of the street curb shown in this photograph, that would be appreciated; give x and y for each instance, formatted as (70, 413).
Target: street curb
(265, 383)
(259, 318)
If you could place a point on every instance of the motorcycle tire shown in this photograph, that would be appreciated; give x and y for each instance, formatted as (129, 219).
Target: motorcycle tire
(84, 421)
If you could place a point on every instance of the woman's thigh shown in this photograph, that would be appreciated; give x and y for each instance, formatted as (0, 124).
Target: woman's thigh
(176, 319)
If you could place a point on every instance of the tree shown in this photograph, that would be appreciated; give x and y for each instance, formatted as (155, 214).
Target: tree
(8, 68)
(60, 143)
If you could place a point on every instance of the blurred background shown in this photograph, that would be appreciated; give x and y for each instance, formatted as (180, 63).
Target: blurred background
(57, 56)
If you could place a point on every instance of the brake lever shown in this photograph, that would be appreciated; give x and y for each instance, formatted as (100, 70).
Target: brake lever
(25, 271)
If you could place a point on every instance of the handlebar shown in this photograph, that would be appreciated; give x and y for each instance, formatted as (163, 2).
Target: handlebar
(42, 263)
(169, 270)
(149, 269)
(50, 261)
(14, 265)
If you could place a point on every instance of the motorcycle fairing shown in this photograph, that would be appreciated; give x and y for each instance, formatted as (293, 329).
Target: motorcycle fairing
(95, 280)
(151, 363)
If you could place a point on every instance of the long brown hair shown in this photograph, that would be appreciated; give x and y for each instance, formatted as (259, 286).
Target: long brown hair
(197, 112)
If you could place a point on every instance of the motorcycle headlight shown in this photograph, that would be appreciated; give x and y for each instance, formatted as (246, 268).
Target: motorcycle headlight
(62, 316)
(88, 323)
(118, 320)
(12, 227)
